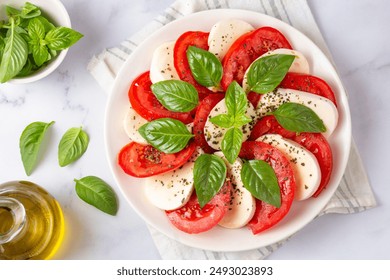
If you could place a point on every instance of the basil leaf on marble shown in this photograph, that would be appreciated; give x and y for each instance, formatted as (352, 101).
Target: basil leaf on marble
(175, 95)
(205, 67)
(72, 146)
(166, 135)
(266, 73)
(30, 144)
(298, 118)
(97, 193)
(209, 177)
(260, 180)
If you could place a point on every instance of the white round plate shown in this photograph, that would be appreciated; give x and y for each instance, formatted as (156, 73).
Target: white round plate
(221, 239)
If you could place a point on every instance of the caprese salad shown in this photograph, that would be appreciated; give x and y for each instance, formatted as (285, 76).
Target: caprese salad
(228, 128)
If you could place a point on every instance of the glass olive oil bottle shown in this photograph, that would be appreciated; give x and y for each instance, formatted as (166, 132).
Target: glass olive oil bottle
(31, 222)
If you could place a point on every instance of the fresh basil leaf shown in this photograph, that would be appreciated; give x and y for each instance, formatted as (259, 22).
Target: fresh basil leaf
(209, 177)
(231, 144)
(46, 23)
(241, 120)
(72, 146)
(175, 95)
(236, 100)
(30, 143)
(40, 53)
(12, 12)
(28, 68)
(14, 54)
(205, 67)
(61, 38)
(30, 11)
(97, 193)
(266, 73)
(260, 180)
(36, 31)
(223, 120)
(298, 118)
(166, 135)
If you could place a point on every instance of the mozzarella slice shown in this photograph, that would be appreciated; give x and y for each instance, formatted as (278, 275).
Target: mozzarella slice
(323, 107)
(299, 65)
(242, 204)
(162, 67)
(131, 123)
(172, 190)
(306, 169)
(214, 134)
(224, 33)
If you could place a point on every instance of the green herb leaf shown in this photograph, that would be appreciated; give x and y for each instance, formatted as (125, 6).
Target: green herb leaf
(205, 67)
(241, 120)
(231, 144)
(36, 31)
(209, 177)
(46, 23)
(266, 73)
(236, 100)
(223, 120)
(175, 95)
(61, 38)
(73, 145)
(298, 118)
(30, 143)
(97, 193)
(11, 11)
(30, 11)
(14, 54)
(166, 135)
(260, 180)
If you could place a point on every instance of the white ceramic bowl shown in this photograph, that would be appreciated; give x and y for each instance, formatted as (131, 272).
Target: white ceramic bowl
(221, 239)
(56, 12)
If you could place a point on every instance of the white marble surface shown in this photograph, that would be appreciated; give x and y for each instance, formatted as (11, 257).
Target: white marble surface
(357, 35)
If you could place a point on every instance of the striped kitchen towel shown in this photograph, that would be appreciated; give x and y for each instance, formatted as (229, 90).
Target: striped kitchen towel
(354, 193)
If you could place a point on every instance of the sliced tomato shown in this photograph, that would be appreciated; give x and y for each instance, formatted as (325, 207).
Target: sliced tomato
(246, 49)
(314, 142)
(267, 215)
(308, 83)
(145, 103)
(141, 161)
(201, 115)
(192, 219)
(190, 38)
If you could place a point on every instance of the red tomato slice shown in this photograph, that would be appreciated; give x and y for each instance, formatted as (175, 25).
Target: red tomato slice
(314, 142)
(201, 115)
(308, 83)
(141, 161)
(145, 103)
(246, 49)
(192, 219)
(267, 215)
(190, 38)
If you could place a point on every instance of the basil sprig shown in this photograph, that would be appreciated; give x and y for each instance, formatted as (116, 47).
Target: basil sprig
(166, 135)
(72, 146)
(175, 95)
(236, 104)
(30, 144)
(298, 118)
(97, 193)
(205, 67)
(260, 180)
(209, 177)
(266, 73)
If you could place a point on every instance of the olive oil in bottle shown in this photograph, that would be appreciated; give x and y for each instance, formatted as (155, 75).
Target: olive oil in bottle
(31, 222)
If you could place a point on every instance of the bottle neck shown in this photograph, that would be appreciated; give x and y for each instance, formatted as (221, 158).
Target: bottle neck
(12, 207)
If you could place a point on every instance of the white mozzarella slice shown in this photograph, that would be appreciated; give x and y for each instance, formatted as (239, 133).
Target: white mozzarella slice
(242, 204)
(299, 65)
(306, 169)
(172, 190)
(224, 33)
(131, 123)
(214, 134)
(162, 67)
(323, 107)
